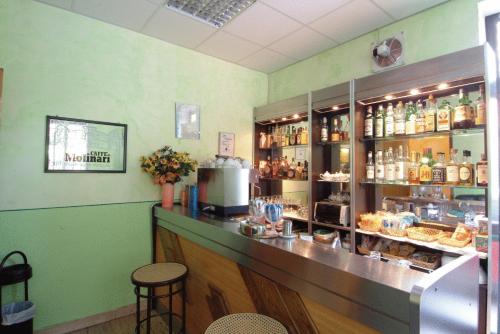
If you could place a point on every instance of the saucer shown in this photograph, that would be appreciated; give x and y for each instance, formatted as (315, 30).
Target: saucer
(293, 236)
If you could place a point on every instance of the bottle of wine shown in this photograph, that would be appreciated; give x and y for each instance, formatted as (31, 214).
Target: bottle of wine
(379, 167)
(411, 119)
(414, 168)
(480, 107)
(390, 167)
(482, 171)
(452, 170)
(466, 170)
(443, 119)
(389, 121)
(439, 170)
(463, 114)
(369, 123)
(293, 136)
(335, 131)
(400, 166)
(379, 122)
(399, 119)
(420, 122)
(305, 136)
(370, 168)
(430, 115)
(425, 172)
(324, 131)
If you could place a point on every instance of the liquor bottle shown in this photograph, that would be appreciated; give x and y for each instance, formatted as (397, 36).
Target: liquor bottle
(269, 139)
(389, 121)
(379, 122)
(305, 170)
(463, 115)
(466, 170)
(420, 122)
(293, 136)
(370, 168)
(369, 123)
(439, 170)
(288, 136)
(482, 171)
(324, 131)
(298, 171)
(304, 136)
(298, 136)
(480, 107)
(335, 131)
(399, 120)
(262, 140)
(291, 170)
(452, 169)
(275, 168)
(430, 115)
(400, 166)
(414, 168)
(379, 167)
(443, 119)
(389, 166)
(411, 119)
(283, 137)
(425, 172)
(345, 132)
(268, 167)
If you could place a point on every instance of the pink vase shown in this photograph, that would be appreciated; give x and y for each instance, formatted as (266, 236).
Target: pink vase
(167, 195)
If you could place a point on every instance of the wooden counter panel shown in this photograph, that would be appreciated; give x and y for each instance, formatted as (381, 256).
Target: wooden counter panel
(217, 286)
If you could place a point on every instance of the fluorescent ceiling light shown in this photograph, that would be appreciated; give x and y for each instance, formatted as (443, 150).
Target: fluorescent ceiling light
(214, 12)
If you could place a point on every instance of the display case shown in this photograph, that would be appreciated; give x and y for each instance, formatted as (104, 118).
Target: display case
(433, 109)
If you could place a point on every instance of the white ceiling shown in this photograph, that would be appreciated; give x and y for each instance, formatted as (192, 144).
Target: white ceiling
(269, 35)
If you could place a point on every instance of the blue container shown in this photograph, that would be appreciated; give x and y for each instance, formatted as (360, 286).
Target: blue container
(193, 197)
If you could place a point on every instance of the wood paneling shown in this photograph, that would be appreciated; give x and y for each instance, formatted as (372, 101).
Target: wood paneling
(217, 286)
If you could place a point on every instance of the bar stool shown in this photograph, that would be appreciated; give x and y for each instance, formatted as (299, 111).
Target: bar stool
(246, 323)
(158, 275)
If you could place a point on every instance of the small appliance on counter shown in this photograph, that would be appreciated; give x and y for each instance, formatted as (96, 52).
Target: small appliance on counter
(224, 191)
(332, 213)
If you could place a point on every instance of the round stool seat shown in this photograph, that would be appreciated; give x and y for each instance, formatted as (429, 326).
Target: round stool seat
(246, 323)
(158, 274)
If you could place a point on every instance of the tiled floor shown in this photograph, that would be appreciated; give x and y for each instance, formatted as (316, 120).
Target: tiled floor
(124, 326)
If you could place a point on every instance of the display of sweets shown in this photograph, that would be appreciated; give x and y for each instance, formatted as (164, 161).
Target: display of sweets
(394, 166)
(418, 117)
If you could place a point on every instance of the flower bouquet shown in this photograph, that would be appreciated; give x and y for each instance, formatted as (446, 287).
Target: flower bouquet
(167, 167)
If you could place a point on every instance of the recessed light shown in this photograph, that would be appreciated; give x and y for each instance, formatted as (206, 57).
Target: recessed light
(414, 91)
(273, 121)
(335, 107)
(283, 118)
(214, 12)
(443, 85)
(388, 97)
(295, 116)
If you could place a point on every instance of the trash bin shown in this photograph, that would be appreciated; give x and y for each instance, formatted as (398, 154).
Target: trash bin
(16, 317)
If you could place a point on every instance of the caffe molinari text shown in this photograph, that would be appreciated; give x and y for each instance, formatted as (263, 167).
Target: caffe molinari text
(93, 156)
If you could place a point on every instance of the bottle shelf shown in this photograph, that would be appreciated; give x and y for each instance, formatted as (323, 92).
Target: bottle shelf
(280, 179)
(455, 132)
(421, 185)
(335, 226)
(343, 142)
(275, 148)
(325, 181)
(432, 245)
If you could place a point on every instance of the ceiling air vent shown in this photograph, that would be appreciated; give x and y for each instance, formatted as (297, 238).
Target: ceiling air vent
(214, 12)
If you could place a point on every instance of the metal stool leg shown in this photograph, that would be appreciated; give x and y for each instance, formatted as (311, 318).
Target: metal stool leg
(137, 310)
(184, 306)
(170, 330)
(148, 311)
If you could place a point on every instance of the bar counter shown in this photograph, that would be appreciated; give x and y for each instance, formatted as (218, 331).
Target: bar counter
(307, 286)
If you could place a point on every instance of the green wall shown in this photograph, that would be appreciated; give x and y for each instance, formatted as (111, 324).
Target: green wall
(443, 29)
(59, 63)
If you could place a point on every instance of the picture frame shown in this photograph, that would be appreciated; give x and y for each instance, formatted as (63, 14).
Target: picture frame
(226, 144)
(83, 146)
(187, 121)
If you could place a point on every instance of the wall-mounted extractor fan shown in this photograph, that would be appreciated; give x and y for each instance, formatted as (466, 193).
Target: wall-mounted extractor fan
(388, 53)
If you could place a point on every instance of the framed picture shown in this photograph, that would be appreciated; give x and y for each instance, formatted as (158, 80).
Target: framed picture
(82, 146)
(187, 121)
(226, 144)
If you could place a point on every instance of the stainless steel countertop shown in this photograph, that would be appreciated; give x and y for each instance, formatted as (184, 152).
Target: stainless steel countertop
(374, 292)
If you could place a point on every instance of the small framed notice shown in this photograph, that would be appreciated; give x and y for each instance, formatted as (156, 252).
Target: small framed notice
(226, 144)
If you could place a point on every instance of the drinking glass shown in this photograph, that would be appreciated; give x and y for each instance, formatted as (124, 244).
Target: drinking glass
(257, 210)
(274, 213)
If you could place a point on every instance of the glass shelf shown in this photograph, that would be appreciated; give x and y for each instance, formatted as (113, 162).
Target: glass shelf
(279, 179)
(275, 148)
(456, 132)
(338, 227)
(422, 185)
(344, 142)
(325, 181)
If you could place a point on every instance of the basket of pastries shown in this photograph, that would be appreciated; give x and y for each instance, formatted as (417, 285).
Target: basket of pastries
(460, 238)
(371, 222)
(396, 224)
(397, 250)
(425, 260)
(426, 234)
(367, 245)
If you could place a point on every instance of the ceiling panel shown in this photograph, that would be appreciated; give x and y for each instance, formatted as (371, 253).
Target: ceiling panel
(303, 10)
(302, 44)
(352, 20)
(176, 28)
(131, 14)
(399, 9)
(228, 47)
(261, 24)
(266, 61)
(66, 4)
